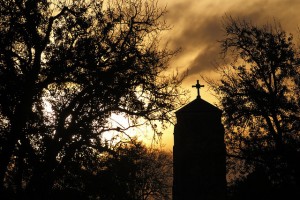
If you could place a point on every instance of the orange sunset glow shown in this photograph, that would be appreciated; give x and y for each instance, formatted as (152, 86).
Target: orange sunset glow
(149, 99)
(196, 28)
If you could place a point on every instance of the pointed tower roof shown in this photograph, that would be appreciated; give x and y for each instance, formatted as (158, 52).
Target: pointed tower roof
(198, 105)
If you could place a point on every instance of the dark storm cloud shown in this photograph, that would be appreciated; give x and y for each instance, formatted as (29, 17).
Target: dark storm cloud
(198, 27)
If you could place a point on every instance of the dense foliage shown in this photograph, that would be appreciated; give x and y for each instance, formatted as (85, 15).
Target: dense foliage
(129, 170)
(259, 93)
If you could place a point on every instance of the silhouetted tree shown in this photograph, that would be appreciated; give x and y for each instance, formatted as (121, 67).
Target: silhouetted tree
(257, 185)
(128, 171)
(65, 67)
(259, 94)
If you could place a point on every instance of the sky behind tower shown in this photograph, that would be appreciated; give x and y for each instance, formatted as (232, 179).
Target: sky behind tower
(197, 26)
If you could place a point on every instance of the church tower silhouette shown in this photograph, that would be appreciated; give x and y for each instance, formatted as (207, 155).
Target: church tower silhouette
(199, 152)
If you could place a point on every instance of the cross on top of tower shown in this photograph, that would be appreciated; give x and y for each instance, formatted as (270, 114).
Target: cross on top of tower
(198, 86)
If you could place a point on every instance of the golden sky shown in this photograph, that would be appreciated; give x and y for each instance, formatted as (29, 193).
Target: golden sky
(197, 26)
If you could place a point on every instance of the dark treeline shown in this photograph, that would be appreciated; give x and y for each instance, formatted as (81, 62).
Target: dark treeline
(67, 66)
